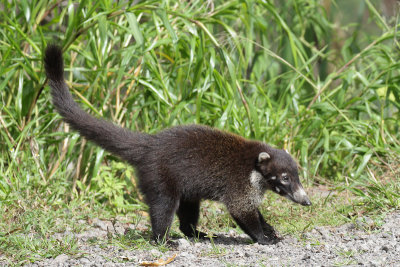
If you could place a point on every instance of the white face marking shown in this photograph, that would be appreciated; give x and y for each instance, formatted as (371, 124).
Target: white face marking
(284, 181)
(286, 151)
(277, 189)
(255, 179)
(273, 178)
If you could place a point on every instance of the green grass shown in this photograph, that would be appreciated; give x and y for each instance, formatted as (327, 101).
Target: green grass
(320, 80)
(27, 231)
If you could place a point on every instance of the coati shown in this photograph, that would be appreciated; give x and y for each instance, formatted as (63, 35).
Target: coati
(180, 166)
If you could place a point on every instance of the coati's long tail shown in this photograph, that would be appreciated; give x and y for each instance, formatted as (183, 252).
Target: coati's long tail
(119, 141)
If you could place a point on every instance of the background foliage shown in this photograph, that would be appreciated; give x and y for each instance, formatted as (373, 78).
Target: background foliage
(319, 78)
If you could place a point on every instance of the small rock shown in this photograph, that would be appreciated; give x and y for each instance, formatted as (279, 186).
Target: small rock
(327, 247)
(84, 261)
(128, 256)
(306, 235)
(377, 262)
(257, 245)
(183, 243)
(240, 253)
(369, 221)
(60, 259)
(364, 247)
(348, 227)
(99, 223)
(290, 240)
(108, 264)
(155, 253)
(232, 232)
(131, 226)
(347, 238)
(385, 248)
(363, 237)
(386, 235)
(306, 257)
(364, 222)
(119, 228)
(187, 256)
(323, 232)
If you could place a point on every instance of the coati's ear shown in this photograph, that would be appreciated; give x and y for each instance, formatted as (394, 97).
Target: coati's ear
(263, 156)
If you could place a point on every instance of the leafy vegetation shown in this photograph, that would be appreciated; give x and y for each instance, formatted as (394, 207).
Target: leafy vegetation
(320, 79)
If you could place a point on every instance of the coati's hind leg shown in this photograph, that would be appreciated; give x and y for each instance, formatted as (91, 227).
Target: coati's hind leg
(162, 210)
(188, 214)
(250, 223)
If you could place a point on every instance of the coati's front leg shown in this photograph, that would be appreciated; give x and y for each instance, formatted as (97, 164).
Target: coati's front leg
(251, 224)
(268, 230)
(188, 214)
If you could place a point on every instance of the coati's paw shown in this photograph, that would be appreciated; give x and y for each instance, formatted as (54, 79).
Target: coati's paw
(274, 235)
(172, 244)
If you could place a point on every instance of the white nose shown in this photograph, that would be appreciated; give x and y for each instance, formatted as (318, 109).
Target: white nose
(301, 197)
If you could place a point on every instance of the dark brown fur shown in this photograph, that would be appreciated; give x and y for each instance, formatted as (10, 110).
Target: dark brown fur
(180, 166)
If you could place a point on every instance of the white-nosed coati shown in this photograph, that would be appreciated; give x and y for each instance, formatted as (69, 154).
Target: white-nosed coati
(180, 166)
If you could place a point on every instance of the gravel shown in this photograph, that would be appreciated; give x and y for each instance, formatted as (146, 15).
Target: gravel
(360, 243)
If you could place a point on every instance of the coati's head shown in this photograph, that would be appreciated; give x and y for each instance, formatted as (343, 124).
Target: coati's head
(281, 176)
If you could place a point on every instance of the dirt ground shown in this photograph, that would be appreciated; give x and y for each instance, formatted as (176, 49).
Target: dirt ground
(362, 243)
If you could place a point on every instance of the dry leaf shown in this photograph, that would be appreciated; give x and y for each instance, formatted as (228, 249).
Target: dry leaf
(159, 262)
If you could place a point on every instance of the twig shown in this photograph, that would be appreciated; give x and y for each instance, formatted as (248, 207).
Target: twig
(6, 130)
(246, 106)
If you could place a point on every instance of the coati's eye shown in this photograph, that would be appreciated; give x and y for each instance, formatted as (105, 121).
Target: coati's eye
(285, 177)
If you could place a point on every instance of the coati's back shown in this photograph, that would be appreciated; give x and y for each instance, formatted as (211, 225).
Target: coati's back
(199, 158)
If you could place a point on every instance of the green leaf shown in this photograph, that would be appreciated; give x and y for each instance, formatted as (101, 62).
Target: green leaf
(134, 28)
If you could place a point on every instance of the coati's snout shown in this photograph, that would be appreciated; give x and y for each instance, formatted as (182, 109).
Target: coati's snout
(298, 196)
(280, 172)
